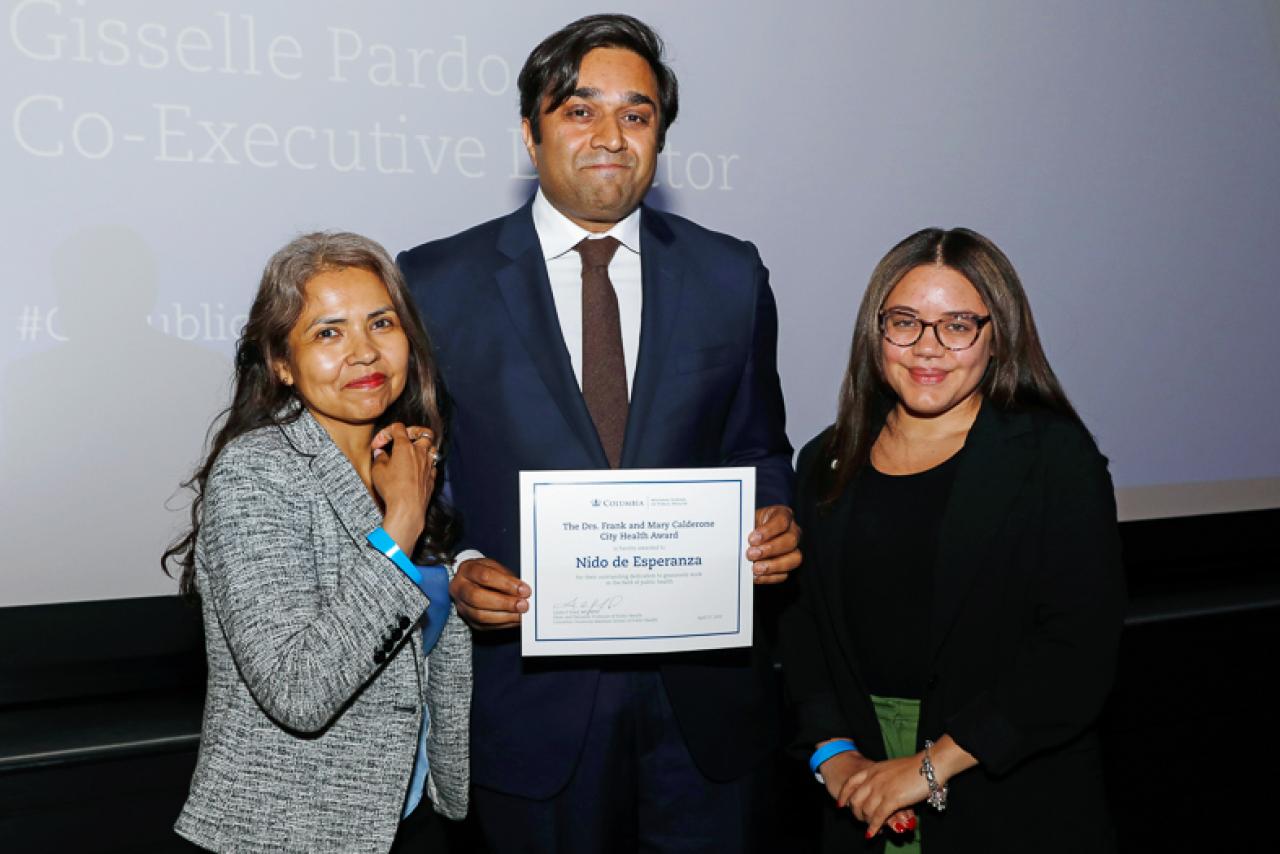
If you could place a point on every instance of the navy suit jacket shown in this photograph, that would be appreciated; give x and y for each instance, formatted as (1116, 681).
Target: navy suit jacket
(705, 393)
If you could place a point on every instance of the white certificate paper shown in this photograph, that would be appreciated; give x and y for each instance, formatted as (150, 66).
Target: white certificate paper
(636, 560)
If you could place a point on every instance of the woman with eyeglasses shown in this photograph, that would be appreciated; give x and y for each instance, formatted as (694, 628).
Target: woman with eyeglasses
(961, 602)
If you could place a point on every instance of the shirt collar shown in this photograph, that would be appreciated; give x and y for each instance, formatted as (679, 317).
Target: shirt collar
(558, 234)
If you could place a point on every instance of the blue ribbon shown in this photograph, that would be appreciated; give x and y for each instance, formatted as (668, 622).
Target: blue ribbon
(433, 581)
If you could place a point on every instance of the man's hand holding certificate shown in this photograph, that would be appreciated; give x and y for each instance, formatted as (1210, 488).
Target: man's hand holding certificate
(636, 561)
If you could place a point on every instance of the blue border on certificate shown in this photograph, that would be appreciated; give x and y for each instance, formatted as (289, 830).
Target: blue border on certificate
(737, 579)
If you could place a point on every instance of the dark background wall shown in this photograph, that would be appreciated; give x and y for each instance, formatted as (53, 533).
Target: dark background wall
(100, 705)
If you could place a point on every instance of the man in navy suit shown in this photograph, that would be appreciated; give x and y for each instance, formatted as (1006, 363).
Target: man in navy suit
(658, 351)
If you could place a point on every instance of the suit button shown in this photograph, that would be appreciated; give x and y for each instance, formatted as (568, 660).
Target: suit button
(396, 633)
(379, 657)
(404, 622)
(388, 645)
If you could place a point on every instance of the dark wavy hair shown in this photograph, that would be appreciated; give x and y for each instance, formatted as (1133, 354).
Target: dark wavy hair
(260, 399)
(1018, 375)
(551, 71)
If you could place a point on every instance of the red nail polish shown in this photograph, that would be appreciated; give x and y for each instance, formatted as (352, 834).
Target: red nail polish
(911, 823)
(869, 833)
(898, 828)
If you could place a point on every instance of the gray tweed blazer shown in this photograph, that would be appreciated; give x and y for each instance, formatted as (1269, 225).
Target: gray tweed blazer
(309, 740)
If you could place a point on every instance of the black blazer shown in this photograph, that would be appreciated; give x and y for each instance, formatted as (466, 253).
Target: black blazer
(1023, 631)
(706, 393)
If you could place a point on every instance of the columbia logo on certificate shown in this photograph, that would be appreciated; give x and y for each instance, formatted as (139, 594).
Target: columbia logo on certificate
(636, 560)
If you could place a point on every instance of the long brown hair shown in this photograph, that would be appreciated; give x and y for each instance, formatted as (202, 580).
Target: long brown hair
(260, 399)
(1018, 375)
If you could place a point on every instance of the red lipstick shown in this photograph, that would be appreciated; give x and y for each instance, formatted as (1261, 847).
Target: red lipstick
(368, 381)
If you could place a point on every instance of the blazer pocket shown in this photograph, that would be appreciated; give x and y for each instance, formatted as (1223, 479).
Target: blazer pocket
(704, 358)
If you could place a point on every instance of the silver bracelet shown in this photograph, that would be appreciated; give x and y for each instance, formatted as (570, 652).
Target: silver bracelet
(937, 794)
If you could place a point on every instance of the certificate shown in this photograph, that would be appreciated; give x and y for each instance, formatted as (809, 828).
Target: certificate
(636, 560)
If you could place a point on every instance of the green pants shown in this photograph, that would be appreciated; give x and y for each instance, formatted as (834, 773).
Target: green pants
(899, 720)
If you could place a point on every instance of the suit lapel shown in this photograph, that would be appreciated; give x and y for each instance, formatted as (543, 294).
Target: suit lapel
(835, 542)
(832, 539)
(988, 480)
(662, 284)
(526, 290)
(342, 487)
(344, 491)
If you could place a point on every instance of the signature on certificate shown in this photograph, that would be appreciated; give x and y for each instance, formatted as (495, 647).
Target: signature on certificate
(587, 607)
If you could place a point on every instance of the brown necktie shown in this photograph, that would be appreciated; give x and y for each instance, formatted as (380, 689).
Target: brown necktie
(604, 369)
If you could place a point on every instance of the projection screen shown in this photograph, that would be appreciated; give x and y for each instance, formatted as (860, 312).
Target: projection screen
(1123, 154)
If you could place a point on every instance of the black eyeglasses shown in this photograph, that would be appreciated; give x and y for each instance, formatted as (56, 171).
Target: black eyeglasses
(958, 331)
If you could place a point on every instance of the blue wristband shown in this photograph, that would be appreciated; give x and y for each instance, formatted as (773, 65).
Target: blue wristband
(382, 541)
(826, 751)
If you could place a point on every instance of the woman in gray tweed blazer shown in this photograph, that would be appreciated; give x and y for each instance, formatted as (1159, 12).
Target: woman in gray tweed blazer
(320, 697)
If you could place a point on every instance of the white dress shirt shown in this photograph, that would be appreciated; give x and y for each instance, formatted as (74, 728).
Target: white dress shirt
(558, 235)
